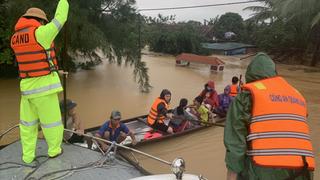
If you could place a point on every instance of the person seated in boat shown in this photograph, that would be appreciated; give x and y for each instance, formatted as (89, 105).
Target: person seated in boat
(159, 112)
(200, 110)
(181, 118)
(234, 88)
(210, 95)
(114, 130)
(224, 102)
(73, 123)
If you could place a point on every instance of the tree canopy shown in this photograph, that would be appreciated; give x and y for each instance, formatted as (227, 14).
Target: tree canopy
(229, 22)
(163, 34)
(107, 25)
(289, 29)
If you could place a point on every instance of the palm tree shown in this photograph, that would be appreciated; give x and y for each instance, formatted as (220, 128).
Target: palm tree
(304, 13)
(262, 13)
(300, 20)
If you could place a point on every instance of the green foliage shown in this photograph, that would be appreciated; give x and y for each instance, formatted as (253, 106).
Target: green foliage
(262, 13)
(229, 22)
(106, 25)
(164, 35)
(289, 29)
(5, 52)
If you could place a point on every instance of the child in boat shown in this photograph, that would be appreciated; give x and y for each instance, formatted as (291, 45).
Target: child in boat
(200, 110)
(180, 117)
(114, 130)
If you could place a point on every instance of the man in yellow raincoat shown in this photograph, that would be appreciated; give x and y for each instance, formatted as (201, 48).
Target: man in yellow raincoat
(33, 46)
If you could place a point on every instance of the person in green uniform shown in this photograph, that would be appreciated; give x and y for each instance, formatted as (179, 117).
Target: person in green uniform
(239, 165)
(39, 94)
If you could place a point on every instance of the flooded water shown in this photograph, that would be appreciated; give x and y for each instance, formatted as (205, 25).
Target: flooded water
(110, 87)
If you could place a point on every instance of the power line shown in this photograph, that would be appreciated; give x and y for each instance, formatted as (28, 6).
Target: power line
(199, 6)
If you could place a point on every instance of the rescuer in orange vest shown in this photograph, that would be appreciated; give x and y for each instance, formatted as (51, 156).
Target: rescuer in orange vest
(266, 134)
(159, 112)
(234, 87)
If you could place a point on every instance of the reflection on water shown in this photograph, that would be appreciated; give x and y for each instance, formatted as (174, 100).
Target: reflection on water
(110, 87)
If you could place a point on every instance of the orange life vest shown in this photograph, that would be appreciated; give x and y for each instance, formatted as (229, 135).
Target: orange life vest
(33, 60)
(154, 116)
(278, 132)
(233, 90)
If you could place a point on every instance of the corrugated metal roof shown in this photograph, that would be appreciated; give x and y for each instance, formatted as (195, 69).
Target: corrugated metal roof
(226, 46)
(200, 59)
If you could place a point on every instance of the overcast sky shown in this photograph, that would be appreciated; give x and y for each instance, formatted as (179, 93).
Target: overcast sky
(198, 14)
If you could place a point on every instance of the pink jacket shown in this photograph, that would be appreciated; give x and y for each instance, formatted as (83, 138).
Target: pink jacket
(213, 99)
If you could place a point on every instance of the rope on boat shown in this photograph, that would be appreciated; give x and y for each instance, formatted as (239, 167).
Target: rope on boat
(37, 167)
(124, 147)
(96, 164)
(134, 157)
(88, 166)
(18, 165)
(8, 130)
(207, 123)
(95, 142)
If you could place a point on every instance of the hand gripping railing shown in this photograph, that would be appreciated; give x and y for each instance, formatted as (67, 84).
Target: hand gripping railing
(124, 147)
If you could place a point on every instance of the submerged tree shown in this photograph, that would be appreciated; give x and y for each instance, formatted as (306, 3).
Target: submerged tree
(109, 26)
(229, 22)
(305, 15)
(164, 35)
(289, 29)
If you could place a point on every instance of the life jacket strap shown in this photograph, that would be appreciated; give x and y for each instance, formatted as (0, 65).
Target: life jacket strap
(303, 172)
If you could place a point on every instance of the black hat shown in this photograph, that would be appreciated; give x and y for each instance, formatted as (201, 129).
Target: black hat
(70, 105)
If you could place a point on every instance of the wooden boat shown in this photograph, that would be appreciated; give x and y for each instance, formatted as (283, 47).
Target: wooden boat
(82, 163)
(145, 134)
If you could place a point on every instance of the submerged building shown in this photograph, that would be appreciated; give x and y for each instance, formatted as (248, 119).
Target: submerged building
(215, 63)
(229, 48)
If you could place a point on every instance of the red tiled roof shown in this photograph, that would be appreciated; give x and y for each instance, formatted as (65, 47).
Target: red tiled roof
(200, 59)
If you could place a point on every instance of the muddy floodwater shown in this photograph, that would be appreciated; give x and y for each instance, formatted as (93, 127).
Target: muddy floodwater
(108, 87)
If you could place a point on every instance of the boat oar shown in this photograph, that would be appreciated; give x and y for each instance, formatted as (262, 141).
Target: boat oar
(207, 123)
(192, 120)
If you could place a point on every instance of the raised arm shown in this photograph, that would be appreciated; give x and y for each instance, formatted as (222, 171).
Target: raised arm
(46, 34)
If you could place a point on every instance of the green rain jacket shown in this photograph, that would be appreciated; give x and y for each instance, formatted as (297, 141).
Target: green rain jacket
(235, 133)
(44, 85)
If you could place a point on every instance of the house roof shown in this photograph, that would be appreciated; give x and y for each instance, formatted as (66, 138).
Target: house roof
(226, 46)
(200, 59)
